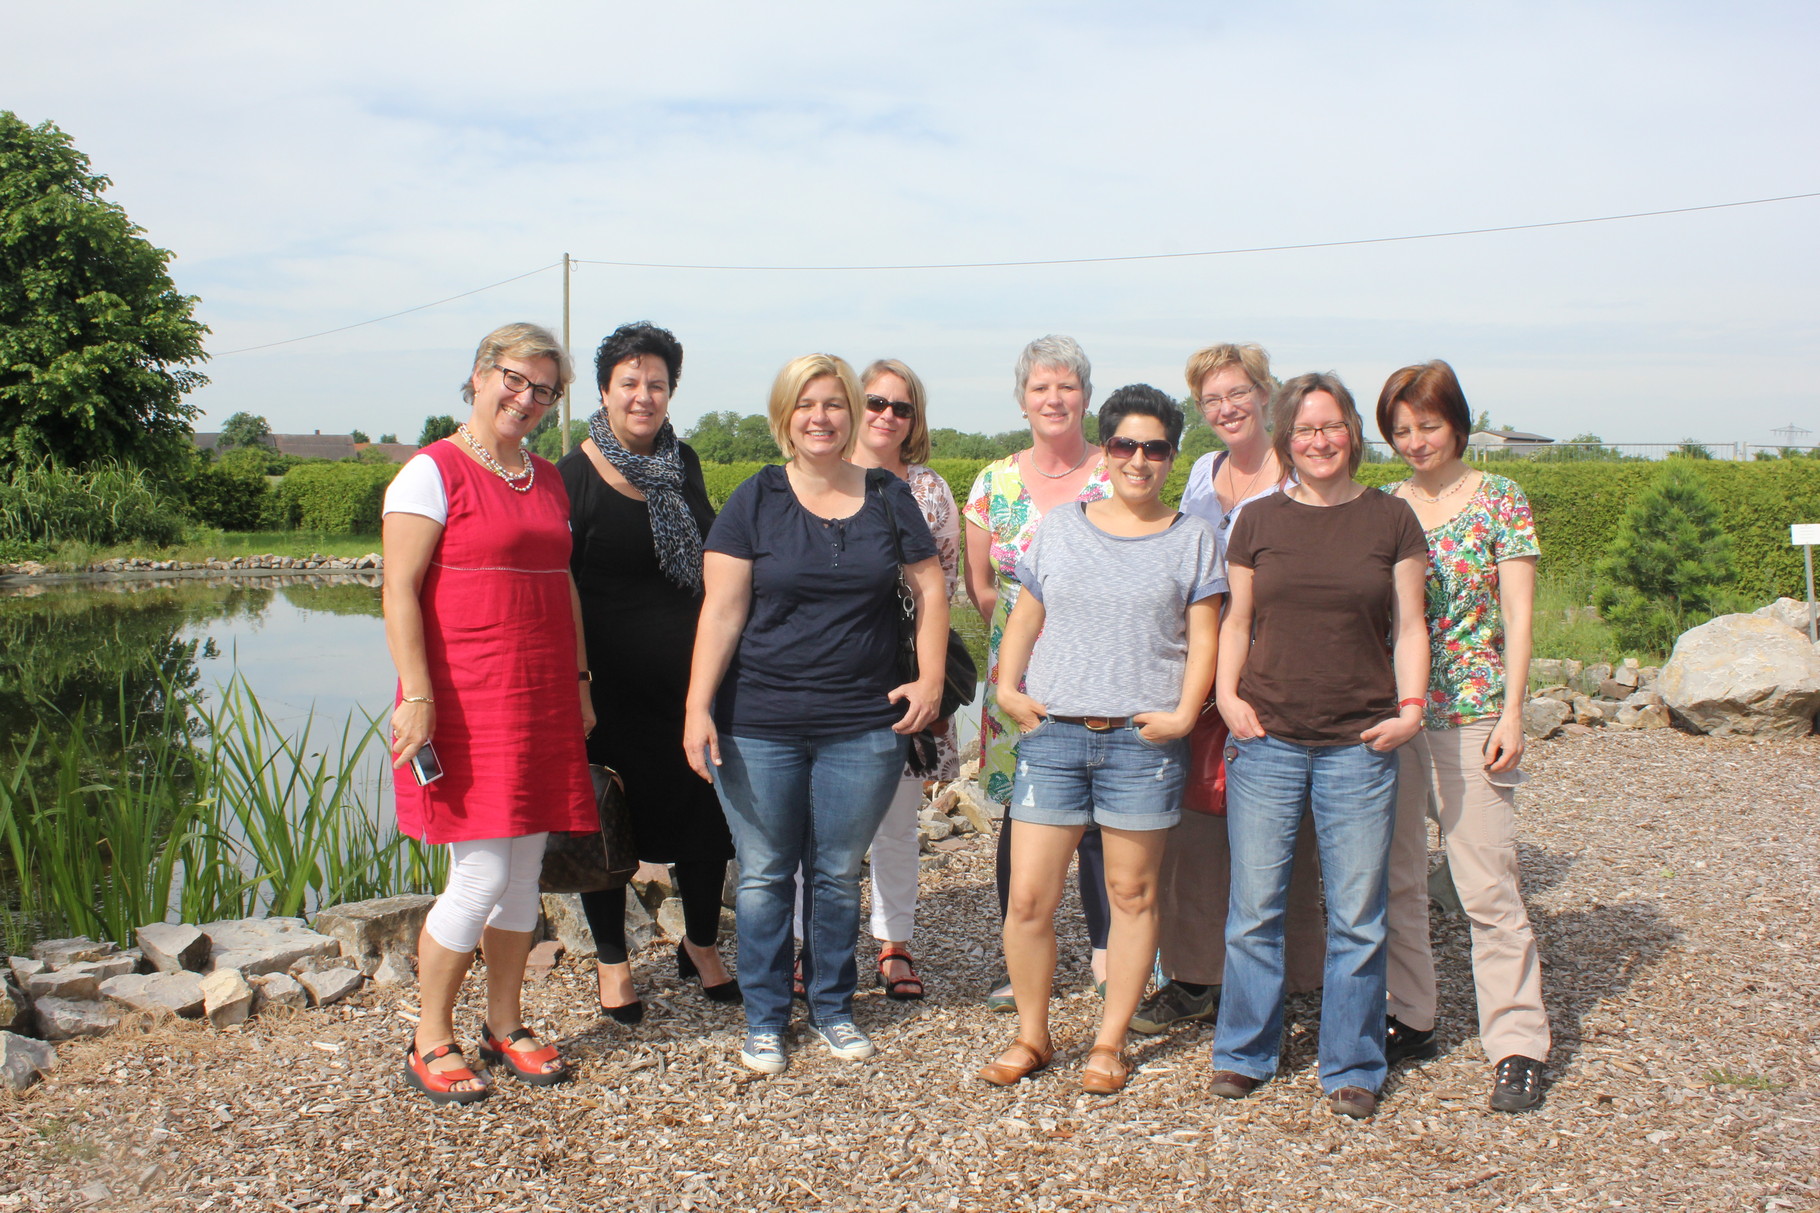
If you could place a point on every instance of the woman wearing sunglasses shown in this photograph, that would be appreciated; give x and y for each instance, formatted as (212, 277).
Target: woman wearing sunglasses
(1318, 700)
(894, 435)
(1118, 629)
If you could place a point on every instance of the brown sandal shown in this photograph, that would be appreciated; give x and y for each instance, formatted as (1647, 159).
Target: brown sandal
(1002, 1073)
(1103, 1082)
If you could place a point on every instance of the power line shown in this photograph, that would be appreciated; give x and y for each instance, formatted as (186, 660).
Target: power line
(247, 349)
(1227, 252)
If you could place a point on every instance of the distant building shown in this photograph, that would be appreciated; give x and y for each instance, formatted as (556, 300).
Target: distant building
(305, 446)
(395, 452)
(1507, 440)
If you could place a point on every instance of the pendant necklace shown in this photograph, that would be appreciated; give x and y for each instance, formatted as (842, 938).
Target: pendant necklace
(1445, 493)
(529, 475)
(1079, 463)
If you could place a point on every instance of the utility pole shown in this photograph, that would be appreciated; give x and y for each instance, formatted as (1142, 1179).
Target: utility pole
(566, 346)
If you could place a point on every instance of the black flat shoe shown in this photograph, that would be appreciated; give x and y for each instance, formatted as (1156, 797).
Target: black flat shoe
(633, 1012)
(726, 991)
(1404, 1043)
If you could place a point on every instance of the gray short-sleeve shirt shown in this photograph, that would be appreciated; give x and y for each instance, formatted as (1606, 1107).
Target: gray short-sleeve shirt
(1115, 612)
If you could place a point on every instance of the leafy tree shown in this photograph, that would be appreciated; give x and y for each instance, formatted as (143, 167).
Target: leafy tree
(547, 440)
(1690, 449)
(435, 429)
(1671, 565)
(388, 438)
(359, 436)
(95, 341)
(728, 437)
(244, 429)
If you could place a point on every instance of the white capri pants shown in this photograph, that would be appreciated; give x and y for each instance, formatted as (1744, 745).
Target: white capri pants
(492, 883)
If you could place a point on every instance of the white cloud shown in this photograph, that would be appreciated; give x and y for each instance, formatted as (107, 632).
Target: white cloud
(319, 166)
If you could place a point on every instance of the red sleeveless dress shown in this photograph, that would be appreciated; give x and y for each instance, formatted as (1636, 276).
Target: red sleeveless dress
(500, 636)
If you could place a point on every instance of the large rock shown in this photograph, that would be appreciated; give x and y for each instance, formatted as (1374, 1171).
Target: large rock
(23, 967)
(264, 945)
(227, 998)
(108, 966)
(1541, 717)
(160, 993)
(374, 928)
(278, 990)
(63, 983)
(23, 1060)
(394, 969)
(173, 947)
(670, 921)
(59, 952)
(567, 925)
(15, 1009)
(330, 985)
(66, 1018)
(1789, 611)
(1743, 676)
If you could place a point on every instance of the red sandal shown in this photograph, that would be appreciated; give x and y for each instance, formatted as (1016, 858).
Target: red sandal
(526, 1065)
(438, 1085)
(896, 988)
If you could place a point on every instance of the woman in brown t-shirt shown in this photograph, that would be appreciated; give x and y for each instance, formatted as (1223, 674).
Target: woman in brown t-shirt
(1326, 577)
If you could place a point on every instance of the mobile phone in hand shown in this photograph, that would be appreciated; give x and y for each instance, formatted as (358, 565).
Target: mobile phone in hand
(425, 767)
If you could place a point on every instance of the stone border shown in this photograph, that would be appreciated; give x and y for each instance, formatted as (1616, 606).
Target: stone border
(135, 568)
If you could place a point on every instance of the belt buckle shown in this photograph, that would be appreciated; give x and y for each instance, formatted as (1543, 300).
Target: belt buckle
(1098, 724)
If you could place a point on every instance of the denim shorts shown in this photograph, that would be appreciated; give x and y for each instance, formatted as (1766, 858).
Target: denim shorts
(1071, 775)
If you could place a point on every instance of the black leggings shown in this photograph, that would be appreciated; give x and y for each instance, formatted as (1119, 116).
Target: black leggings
(698, 884)
(1094, 902)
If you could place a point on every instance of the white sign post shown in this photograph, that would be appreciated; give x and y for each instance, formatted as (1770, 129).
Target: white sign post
(1805, 535)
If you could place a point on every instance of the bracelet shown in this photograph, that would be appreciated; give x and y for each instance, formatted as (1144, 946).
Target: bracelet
(1405, 703)
(416, 699)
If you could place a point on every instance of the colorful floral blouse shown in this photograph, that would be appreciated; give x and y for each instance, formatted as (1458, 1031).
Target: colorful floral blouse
(937, 501)
(1465, 622)
(999, 504)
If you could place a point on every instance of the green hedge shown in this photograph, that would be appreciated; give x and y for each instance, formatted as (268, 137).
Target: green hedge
(1578, 506)
(229, 496)
(335, 498)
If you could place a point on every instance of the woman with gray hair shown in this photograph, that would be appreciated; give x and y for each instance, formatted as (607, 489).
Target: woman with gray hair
(1007, 501)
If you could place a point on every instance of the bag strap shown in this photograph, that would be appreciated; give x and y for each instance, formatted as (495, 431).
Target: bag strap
(878, 478)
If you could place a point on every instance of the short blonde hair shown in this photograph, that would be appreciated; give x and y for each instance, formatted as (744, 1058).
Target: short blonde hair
(799, 373)
(1289, 403)
(524, 342)
(915, 447)
(1249, 357)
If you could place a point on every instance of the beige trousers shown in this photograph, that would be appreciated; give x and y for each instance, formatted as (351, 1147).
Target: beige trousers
(1192, 893)
(1479, 829)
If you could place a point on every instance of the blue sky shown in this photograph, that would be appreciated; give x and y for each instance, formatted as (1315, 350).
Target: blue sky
(314, 166)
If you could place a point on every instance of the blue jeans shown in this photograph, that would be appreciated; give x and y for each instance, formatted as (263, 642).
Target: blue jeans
(1351, 791)
(814, 803)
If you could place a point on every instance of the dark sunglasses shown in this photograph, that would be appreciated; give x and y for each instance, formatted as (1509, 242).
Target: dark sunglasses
(902, 408)
(1156, 450)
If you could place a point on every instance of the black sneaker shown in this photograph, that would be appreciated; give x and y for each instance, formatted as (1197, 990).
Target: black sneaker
(1402, 1042)
(1518, 1087)
(1173, 1004)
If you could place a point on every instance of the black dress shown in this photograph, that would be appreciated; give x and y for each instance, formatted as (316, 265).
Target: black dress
(640, 629)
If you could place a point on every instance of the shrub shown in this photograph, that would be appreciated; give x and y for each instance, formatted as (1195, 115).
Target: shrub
(1671, 564)
(335, 498)
(43, 504)
(229, 494)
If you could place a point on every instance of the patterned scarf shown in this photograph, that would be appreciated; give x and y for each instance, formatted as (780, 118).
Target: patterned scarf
(659, 477)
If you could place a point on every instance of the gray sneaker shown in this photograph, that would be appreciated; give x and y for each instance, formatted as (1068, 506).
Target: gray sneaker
(845, 1040)
(764, 1052)
(1173, 1004)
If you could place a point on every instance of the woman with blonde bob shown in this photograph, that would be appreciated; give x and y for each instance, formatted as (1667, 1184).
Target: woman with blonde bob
(795, 710)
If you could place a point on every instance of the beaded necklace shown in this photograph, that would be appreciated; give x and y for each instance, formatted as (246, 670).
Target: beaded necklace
(529, 475)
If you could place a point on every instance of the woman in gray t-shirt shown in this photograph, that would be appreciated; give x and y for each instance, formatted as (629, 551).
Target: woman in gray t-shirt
(1125, 593)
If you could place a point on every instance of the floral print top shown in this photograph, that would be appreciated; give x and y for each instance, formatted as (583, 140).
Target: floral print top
(1465, 622)
(999, 504)
(937, 501)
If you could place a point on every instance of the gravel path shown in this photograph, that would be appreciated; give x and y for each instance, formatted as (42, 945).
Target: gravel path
(1673, 879)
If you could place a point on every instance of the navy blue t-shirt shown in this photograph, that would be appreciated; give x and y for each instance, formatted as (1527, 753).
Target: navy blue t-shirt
(818, 653)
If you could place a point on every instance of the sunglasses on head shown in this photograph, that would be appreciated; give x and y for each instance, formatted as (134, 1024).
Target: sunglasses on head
(1156, 450)
(901, 408)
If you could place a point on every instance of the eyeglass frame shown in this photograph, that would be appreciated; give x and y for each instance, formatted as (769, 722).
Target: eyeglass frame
(903, 410)
(1238, 395)
(1306, 433)
(507, 374)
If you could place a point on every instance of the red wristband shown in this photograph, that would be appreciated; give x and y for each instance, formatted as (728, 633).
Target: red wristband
(1404, 703)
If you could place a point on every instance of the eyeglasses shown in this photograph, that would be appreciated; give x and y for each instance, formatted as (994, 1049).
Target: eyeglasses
(1333, 430)
(516, 383)
(1238, 395)
(899, 408)
(1156, 450)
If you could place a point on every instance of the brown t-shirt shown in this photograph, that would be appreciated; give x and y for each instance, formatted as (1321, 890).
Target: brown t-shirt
(1319, 670)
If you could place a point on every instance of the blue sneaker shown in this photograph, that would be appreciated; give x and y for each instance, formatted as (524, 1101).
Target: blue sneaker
(846, 1041)
(764, 1052)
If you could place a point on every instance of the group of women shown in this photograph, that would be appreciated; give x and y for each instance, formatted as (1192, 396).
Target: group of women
(744, 674)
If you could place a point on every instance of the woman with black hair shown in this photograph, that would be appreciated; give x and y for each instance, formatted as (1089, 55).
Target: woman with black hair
(640, 513)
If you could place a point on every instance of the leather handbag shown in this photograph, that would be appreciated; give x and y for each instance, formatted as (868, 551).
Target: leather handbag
(960, 677)
(587, 861)
(1206, 790)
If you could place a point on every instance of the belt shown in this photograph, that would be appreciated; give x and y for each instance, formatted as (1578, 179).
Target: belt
(1099, 724)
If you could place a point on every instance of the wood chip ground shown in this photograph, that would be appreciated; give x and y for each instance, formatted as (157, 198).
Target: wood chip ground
(1673, 881)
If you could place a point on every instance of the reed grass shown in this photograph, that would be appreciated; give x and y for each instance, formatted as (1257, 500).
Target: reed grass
(192, 811)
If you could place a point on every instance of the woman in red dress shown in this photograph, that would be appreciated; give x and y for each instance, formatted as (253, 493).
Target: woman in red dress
(484, 626)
